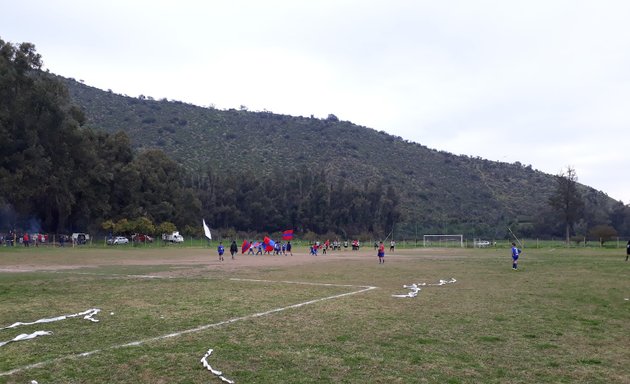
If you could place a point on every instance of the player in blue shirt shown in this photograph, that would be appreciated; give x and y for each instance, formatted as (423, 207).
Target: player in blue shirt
(515, 253)
(221, 250)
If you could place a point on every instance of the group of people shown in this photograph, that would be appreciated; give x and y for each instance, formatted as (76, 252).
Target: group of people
(286, 248)
(258, 248)
(221, 250)
(26, 239)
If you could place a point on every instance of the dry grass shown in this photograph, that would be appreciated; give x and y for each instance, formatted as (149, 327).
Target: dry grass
(562, 318)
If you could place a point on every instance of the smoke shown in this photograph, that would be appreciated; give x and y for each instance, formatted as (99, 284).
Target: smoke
(8, 217)
(34, 225)
(11, 220)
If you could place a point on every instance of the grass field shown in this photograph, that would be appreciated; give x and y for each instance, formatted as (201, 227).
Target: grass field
(563, 317)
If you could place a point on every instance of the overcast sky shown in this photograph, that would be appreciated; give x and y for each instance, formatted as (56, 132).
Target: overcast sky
(544, 83)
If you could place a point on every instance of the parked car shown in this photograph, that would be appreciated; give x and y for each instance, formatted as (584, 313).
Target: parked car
(117, 240)
(174, 237)
(141, 238)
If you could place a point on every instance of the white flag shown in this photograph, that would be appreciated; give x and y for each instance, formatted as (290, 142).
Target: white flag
(206, 230)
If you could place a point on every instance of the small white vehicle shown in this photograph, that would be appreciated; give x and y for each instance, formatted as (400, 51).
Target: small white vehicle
(174, 237)
(482, 243)
(118, 240)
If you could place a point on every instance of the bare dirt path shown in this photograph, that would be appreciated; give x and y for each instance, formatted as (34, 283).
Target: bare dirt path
(59, 259)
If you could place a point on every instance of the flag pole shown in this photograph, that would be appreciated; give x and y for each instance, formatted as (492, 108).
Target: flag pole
(517, 240)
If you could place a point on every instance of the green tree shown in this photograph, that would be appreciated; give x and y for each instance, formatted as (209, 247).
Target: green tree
(567, 200)
(144, 225)
(123, 226)
(620, 218)
(108, 225)
(166, 227)
(603, 233)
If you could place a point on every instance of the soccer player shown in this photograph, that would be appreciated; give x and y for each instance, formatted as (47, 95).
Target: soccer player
(233, 248)
(221, 250)
(515, 253)
(381, 253)
(289, 248)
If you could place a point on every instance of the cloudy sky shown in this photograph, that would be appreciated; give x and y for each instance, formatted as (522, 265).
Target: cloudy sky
(544, 83)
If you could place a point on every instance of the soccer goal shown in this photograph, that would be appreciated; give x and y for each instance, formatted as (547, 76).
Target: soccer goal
(443, 241)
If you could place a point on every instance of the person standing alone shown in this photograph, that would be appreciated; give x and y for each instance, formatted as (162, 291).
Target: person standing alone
(515, 253)
(381, 253)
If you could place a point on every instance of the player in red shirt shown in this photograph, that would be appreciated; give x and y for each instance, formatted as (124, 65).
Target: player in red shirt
(381, 253)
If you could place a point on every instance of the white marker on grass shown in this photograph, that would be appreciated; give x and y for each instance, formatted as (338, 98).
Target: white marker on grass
(89, 315)
(204, 362)
(415, 288)
(25, 336)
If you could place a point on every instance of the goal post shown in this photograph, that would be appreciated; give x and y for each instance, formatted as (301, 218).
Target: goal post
(443, 241)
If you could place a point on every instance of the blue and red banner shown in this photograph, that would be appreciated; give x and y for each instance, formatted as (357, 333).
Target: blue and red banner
(287, 235)
(270, 244)
(246, 245)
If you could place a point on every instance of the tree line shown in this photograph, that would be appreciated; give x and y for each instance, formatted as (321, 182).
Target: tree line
(58, 176)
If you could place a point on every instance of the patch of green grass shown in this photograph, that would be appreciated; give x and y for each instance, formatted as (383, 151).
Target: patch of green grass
(492, 326)
(590, 361)
(490, 339)
(544, 346)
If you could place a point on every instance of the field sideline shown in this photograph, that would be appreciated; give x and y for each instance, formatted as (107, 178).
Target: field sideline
(563, 317)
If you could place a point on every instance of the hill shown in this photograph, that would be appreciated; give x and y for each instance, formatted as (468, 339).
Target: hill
(440, 192)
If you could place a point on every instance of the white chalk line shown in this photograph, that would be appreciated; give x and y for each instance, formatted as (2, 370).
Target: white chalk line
(113, 275)
(304, 283)
(87, 273)
(201, 328)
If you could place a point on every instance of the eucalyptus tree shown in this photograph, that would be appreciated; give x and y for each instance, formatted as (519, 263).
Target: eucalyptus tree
(567, 200)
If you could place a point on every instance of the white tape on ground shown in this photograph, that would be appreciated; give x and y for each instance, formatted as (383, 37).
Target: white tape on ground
(415, 288)
(198, 329)
(204, 362)
(25, 336)
(443, 282)
(88, 315)
(413, 291)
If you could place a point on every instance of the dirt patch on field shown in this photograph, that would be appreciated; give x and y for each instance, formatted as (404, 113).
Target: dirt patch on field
(181, 259)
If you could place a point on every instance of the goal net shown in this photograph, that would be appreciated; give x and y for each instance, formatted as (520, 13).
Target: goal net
(443, 241)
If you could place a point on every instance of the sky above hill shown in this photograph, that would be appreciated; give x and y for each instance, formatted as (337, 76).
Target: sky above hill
(543, 83)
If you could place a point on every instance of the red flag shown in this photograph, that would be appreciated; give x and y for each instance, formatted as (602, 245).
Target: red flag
(246, 245)
(287, 235)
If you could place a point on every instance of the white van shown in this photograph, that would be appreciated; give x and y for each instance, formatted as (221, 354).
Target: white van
(174, 237)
